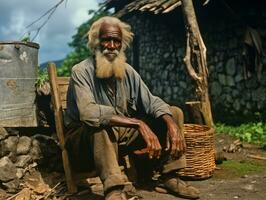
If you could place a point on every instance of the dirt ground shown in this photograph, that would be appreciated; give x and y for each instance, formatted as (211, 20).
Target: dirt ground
(238, 177)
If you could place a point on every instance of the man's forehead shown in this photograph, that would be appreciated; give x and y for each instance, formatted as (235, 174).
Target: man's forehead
(107, 28)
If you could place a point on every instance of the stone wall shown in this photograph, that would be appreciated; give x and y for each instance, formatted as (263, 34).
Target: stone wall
(21, 152)
(160, 43)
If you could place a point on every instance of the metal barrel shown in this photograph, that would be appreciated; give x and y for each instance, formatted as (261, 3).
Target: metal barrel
(18, 75)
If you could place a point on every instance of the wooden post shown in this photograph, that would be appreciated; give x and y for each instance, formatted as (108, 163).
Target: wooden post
(194, 112)
(196, 59)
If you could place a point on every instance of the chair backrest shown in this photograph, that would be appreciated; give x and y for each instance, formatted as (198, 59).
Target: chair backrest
(62, 83)
(59, 86)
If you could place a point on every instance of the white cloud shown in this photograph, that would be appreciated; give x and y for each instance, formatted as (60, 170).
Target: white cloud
(57, 33)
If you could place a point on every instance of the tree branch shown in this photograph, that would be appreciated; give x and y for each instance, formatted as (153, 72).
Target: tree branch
(49, 14)
(187, 61)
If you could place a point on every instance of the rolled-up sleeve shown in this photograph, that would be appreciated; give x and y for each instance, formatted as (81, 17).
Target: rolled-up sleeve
(90, 112)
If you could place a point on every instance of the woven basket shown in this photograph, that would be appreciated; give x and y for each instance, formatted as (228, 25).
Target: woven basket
(200, 151)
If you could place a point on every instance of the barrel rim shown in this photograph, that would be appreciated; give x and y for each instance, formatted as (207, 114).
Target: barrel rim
(30, 44)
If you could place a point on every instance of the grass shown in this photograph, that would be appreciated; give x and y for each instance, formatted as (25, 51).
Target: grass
(235, 169)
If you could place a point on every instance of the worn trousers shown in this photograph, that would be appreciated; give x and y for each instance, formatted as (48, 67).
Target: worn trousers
(97, 149)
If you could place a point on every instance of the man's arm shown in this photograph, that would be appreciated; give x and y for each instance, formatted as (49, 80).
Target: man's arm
(175, 141)
(153, 105)
(153, 145)
(83, 101)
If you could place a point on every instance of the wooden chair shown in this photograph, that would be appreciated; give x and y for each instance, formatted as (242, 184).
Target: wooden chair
(59, 86)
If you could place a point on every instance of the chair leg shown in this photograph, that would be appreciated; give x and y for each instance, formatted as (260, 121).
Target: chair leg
(71, 185)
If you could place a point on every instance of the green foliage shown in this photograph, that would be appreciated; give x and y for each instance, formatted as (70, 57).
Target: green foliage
(71, 59)
(249, 132)
(42, 77)
(79, 43)
(26, 38)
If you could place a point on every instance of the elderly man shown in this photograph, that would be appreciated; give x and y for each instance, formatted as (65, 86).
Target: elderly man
(109, 105)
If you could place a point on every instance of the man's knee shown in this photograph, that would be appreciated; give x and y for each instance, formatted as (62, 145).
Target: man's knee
(177, 114)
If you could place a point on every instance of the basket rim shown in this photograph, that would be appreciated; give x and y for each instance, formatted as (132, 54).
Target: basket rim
(209, 130)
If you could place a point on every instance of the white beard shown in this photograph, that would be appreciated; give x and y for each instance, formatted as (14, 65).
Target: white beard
(107, 69)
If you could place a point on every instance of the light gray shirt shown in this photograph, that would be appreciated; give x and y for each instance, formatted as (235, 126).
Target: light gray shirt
(91, 100)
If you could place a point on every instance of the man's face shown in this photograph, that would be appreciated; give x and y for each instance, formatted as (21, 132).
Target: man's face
(110, 40)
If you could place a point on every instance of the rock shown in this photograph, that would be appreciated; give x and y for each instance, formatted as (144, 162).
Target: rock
(259, 95)
(211, 68)
(229, 98)
(175, 89)
(35, 151)
(230, 81)
(168, 91)
(7, 170)
(221, 78)
(148, 76)
(215, 89)
(226, 80)
(237, 105)
(166, 55)
(238, 78)
(216, 59)
(219, 67)
(24, 145)
(164, 75)
(247, 97)
(3, 133)
(183, 84)
(12, 186)
(23, 160)
(260, 105)
(235, 93)
(248, 105)
(248, 187)
(9, 145)
(252, 83)
(12, 156)
(20, 173)
(230, 67)
(263, 79)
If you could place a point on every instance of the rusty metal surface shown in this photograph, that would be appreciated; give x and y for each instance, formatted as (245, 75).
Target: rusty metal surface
(18, 74)
(29, 44)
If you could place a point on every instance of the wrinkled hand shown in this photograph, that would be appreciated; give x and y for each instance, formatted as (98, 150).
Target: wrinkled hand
(153, 145)
(175, 141)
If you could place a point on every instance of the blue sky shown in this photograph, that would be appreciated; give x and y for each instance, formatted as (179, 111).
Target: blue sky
(55, 35)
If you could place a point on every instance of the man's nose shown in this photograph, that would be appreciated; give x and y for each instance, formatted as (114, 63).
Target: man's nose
(111, 45)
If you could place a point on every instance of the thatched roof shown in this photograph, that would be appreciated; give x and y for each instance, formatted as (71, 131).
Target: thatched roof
(154, 6)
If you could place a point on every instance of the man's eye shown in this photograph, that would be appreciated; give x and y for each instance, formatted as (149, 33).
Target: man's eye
(117, 43)
(104, 43)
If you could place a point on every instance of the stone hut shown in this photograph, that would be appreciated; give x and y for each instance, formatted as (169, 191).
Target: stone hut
(233, 32)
